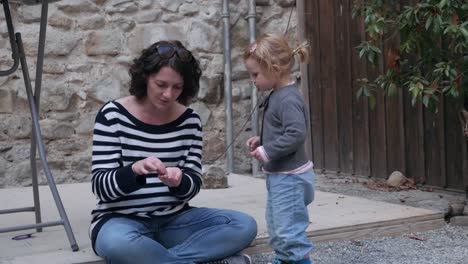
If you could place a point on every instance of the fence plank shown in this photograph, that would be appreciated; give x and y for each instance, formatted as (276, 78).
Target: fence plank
(394, 113)
(344, 85)
(454, 143)
(328, 83)
(360, 118)
(465, 165)
(377, 127)
(378, 146)
(414, 132)
(414, 138)
(434, 142)
(315, 90)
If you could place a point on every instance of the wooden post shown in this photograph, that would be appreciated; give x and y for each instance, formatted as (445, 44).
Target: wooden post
(300, 10)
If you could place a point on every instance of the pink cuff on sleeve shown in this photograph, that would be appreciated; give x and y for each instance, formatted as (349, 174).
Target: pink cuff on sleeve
(263, 154)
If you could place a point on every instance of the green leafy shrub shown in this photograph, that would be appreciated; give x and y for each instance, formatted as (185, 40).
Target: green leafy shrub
(427, 48)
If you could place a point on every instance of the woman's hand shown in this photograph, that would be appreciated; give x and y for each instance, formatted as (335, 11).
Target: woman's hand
(172, 177)
(149, 165)
(253, 143)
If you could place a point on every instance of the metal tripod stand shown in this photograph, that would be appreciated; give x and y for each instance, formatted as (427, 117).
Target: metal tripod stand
(19, 57)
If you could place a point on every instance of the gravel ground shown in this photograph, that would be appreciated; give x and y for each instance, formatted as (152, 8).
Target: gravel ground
(446, 245)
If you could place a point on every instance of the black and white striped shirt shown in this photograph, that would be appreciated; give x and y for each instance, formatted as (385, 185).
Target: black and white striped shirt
(120, 139)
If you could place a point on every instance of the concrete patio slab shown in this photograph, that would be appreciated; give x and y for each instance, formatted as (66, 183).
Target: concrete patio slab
(333, 217)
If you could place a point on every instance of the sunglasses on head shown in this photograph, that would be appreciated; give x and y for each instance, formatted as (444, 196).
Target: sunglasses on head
(168, 50)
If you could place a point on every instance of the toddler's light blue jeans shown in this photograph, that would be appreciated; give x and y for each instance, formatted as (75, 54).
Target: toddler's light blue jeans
(286, 213)
(198, 234)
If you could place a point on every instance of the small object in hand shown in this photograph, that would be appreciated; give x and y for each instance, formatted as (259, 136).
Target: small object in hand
(22, 237)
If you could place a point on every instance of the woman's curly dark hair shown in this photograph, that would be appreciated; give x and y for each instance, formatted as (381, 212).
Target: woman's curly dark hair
(150, 62)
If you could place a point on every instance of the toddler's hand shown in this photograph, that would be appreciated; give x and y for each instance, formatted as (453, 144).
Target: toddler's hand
(259, 155)
(253, 143)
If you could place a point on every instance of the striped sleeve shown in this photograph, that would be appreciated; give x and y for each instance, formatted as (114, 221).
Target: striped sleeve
(110, 179)
(192, 169)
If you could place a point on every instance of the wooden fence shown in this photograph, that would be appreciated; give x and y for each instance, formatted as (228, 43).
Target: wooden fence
(349, 137)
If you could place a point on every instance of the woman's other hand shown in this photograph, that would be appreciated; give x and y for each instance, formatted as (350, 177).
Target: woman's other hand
(172, 177)
(149, 165)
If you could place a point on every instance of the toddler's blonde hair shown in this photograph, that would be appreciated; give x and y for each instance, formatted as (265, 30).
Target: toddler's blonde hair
(271, 50)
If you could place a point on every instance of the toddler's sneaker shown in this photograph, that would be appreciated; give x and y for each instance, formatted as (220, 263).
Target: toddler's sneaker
(236, 259)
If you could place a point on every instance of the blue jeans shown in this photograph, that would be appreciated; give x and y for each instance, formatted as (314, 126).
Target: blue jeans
(195, 235)
(286, 213)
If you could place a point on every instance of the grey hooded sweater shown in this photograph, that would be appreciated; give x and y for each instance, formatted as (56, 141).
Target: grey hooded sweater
(284, 130)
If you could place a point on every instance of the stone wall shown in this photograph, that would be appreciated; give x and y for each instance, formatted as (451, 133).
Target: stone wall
(89, 47)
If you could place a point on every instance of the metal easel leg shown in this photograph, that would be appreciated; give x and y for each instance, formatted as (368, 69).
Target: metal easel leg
(36, 139)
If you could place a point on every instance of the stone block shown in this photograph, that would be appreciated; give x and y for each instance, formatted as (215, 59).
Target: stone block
(59, 43)
(213, 145)
(143, 36)
(91, 22)
(52, 129)
(203, 111)
(6, 101)
(459, 220)
(19, 127)
(60, 21)
(456, 209)
(73, 6)
(30, 14)
(171, 5)
(106, 89)
(396, 179)
(215, 178)
(104, 43)
(122, 6)
(286, 3)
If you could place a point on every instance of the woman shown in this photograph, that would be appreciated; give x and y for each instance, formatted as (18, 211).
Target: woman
(146, 168)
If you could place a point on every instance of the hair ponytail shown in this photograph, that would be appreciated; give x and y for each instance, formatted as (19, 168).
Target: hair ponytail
(275, 55)
(303, 51)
